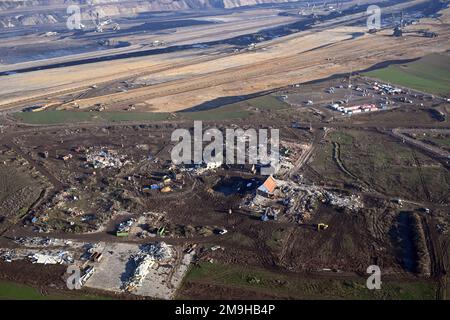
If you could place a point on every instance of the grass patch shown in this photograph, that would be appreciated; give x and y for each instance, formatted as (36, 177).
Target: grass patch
(62, 116)
(238, 110)
(53, 117)
(272, 283)
(16, 291)
(241, 239)
(10, 290)
(341, 137)
(276, 239)
(429, 74)
(218, 114)
(267, 102)
(135, 116)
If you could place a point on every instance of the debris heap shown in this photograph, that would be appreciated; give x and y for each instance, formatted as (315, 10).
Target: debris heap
(144, 260)
(297, 202)
(105, 159)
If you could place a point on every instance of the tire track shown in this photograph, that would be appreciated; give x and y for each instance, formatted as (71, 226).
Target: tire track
(422, 179)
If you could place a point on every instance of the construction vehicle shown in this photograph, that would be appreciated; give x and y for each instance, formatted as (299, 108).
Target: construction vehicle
(322, 226)
(398, 32)
(428, 34)
(161, 231)
(100, 21)
(37, 108)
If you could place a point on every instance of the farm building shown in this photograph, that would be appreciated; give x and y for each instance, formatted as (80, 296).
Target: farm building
(268, 187)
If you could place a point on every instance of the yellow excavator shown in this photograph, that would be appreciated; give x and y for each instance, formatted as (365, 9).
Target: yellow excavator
(322, 226)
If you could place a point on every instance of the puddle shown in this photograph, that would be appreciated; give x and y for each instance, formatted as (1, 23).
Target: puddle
(236, 185)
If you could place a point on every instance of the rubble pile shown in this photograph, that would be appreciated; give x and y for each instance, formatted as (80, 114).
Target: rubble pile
(8, 255)
(38, 256)
(158, 251)
(298, 201)
(74, 212)
(353, 203)
(154, 216)
(154, 222)
(63, 197)
(125, 226)
(105, 158)
(46, 242)
(34, 241)
(64, 201)
(198, 169)
(144, 260)
(60, 257)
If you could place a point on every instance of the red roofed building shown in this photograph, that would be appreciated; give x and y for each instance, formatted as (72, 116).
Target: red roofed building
(268, 187)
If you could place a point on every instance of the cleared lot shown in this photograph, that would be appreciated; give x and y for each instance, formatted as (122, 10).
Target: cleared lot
(117, 266)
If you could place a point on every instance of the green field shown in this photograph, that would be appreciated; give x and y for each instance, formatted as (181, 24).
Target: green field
(272, 283)
(429, 74)
(381, 163)
(238, 110)
(57, 117)
(267, 102)
(222, 113)
(15, 291)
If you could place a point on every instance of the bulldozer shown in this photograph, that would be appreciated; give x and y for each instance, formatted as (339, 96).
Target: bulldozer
(322, 226)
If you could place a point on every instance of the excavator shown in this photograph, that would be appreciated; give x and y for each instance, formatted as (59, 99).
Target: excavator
(322, 226)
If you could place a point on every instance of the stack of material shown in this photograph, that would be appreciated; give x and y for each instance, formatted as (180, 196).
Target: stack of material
(143, 264)
(158, 251)
(51, 258)
(105, 159)
(144, 260)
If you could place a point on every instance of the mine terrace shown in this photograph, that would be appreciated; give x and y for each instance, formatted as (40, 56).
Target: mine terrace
(87, 179)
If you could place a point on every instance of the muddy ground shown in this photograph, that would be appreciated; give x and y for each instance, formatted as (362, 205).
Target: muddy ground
(197, 206)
